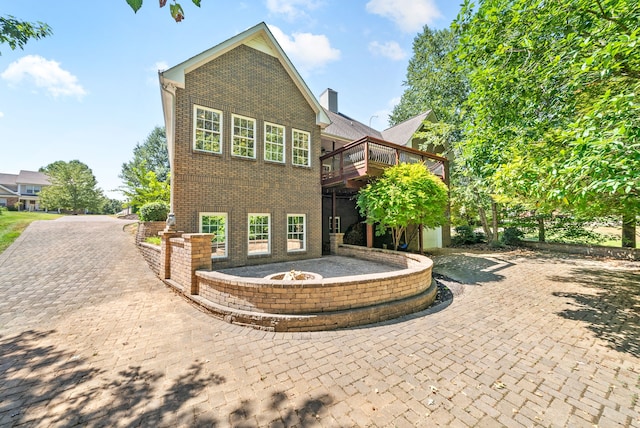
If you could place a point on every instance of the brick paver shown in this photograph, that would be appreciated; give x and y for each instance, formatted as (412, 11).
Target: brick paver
(90, 337)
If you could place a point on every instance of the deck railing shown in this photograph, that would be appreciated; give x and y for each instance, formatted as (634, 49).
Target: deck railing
(369, 156)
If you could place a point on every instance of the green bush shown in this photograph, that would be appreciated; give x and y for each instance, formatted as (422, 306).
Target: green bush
(511, 236)
(155, 240)
(154, 211)
(465, 235)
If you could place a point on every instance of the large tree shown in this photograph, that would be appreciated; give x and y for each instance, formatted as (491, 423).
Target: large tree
(552, 119)
(405, 194)
(73, 187)
(16, 33)
(152, 154)
(434, 81)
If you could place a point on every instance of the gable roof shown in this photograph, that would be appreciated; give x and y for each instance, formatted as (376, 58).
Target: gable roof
(342, 126)
(402, 133)
(257, 37)
(32, 177)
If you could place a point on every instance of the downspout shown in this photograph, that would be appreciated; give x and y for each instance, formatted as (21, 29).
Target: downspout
(168, 92)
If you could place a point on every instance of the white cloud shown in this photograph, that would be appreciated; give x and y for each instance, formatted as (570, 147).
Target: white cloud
(152, 80)
(291, 9)
(160, 66)
(409, 15)
(308, 52)
(45, 74)
(390, 50)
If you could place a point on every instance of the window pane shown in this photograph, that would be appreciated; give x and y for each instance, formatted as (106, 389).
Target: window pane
(274, 143)
(243, 142)
(215, 223)
(300, 148)
(207, 134)
(259, 237)
(296, 232)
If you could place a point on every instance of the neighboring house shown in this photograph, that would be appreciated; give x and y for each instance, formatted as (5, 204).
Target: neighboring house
(245, 137)
(21, 190)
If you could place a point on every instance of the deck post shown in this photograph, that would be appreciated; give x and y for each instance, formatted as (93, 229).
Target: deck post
(369, 235)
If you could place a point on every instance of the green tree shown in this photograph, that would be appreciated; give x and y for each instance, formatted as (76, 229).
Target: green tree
(175, 8)
(112, 206)
(149, 188)
(73, 187)
(434, 81)
(405, 194)
(17, 33)
(153, 154)
(551, 120)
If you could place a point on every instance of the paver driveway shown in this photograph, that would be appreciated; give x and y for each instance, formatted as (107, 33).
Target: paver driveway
(89, 337)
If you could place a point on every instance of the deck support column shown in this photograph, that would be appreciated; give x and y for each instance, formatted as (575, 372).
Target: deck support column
(369, 235)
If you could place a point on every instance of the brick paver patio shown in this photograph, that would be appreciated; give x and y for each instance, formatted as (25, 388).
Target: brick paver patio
(90, 337)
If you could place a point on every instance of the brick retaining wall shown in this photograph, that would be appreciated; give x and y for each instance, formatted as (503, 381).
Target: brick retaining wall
(151, 254)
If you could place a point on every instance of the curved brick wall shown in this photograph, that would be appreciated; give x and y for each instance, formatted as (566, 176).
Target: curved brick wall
(325, 303)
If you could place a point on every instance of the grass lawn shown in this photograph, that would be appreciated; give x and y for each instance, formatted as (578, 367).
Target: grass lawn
(12, 223)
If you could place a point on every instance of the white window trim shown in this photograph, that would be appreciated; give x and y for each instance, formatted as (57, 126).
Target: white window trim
(284, 142)
(255, 149)
(259, 253)
(304, 232)
(195, 122)
(331, 224)
(226, 229)
(293, 131)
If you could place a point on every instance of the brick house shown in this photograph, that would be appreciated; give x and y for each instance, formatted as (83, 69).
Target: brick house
(21, 190)
(248, 146)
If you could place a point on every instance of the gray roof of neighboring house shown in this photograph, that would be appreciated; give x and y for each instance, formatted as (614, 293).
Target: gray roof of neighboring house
(32, 177)
(402, 133)
(350, 129)
(8, 180)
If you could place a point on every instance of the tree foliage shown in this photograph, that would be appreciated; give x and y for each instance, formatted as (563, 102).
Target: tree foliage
(434, 81)
(405, 194)
(73, 187)
(16, 33)
(153, 154)
(175, 8)
(149, 189)
(552, 117)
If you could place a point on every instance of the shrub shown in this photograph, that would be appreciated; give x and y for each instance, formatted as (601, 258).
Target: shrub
(465, 235)
(154, 211)
(355, 235)
(511, 236)
(155, 240)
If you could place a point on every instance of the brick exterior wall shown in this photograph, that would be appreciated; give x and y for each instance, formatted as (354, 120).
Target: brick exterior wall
(249, 83)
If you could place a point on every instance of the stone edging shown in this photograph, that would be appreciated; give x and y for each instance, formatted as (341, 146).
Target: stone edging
(587, 250)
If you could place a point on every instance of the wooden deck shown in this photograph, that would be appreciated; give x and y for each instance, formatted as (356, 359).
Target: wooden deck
(354, 164)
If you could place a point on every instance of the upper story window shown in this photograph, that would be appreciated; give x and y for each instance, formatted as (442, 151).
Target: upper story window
(300, 148)
(31, 189)
(207, 130)
(243, 140)
(273, 142)
(215, 223)
(259, 234)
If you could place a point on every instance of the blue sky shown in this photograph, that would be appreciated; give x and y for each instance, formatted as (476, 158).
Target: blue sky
(90, 91)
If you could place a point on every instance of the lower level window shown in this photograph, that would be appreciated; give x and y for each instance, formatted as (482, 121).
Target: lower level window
(215, 223)
(296, 232)
(259, 234)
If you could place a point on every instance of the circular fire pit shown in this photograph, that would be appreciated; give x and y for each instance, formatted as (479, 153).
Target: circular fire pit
(293, 275)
